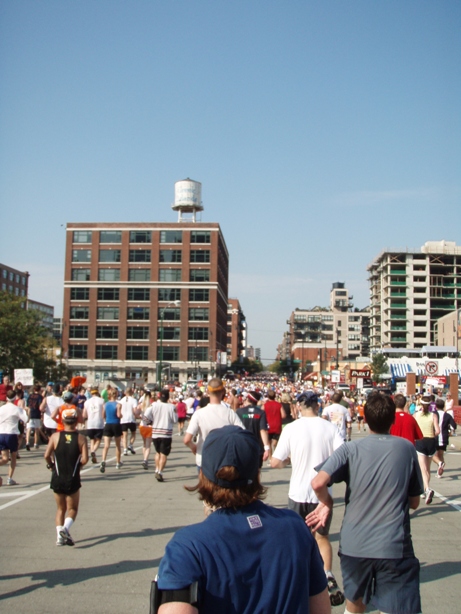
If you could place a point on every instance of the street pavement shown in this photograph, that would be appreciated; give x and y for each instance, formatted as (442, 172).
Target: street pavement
(126, 518)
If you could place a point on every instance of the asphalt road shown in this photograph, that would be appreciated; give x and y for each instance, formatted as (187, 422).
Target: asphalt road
(126, 518)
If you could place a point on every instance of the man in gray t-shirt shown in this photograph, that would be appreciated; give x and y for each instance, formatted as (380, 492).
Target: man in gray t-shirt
(383, 483)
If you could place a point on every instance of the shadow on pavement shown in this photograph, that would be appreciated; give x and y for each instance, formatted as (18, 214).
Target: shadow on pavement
(68, 577)
(438, 571)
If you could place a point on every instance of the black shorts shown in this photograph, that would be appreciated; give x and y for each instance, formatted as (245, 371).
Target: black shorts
(129, 426)
(274, 436)
(442, 448)
(306, 508)
(162, 445)
(49, 431)
(9, 442)
(392, 585)
(94, 433)
(426, 446)
(21, 427)
(360, 418)
(112, 430)
(62, 486)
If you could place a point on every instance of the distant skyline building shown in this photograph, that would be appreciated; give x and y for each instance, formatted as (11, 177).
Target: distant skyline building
(448, 330)
(410, 290)
(236, 330)
(326, 335)
(46, 313)
(149, 296)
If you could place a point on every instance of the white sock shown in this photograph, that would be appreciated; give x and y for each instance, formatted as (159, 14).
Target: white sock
(68, 522)
(59, 529)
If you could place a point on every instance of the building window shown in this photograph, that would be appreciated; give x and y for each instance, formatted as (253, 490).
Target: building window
(109, 274)
(139, 255)
(139, 275)
(78, 351)
(140, 236)
(199, 275)
(110, 236)
(199, 255)
(78, 332)
(171, 236)
(110, 255)
(17, 278)
(169, 333)
(79, 313)
(79, 294)
(170, 275)
(108, 294)
(137, 352)
(81, 255)
(80, 275)
(5, 274)
(11, 276)
(107, 352)
(138, 294)
(199, 314)
(138, 313)
(167, 353)
(107, 313)
(169, 313)
(197, 353)
(106, 332)
(81, 236)
(4, 287)
(198, 333)
(170, 255)
(169, 294)
(201, 295)
(137, 332)
(200, 236)
(23, 280)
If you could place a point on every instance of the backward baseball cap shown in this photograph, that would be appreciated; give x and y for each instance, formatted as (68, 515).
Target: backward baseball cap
(231, 446)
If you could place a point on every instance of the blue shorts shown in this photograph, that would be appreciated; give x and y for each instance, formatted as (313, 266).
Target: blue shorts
(392, 585)
(9, 442)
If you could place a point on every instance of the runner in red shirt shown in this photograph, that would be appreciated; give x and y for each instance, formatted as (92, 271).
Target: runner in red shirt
(274, 414)
(405, 425)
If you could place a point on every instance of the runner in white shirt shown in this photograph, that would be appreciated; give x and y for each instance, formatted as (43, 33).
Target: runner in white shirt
(49, 404)
(128, 421)
(93, 413)
(308, 442)
(338, 414)
(10, 414)
(213, 416)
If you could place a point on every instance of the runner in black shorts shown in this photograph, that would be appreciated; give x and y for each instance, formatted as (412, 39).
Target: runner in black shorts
(67, 451)
(112, 428)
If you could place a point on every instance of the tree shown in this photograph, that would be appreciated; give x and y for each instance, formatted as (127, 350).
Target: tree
(379, 366)
(284, 367)
(244, 364)
(22, 338)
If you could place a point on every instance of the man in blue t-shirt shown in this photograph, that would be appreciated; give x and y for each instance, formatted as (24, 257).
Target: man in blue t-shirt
(246, 557)
(383, 483)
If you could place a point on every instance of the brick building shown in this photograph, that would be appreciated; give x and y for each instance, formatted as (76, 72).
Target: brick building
(140, 294)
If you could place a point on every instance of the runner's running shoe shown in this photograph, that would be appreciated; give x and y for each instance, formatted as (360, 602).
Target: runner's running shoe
(336, 595)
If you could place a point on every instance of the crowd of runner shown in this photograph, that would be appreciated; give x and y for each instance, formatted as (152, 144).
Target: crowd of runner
(292, 423)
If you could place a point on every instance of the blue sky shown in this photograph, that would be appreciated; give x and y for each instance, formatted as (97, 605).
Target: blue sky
(322, 133)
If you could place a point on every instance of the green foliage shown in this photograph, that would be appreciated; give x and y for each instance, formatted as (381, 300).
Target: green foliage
(379, 366)
(284, 367)
(22, 338)
(248, 365)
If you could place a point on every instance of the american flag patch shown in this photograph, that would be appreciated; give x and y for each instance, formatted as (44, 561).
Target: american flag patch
(254, 522)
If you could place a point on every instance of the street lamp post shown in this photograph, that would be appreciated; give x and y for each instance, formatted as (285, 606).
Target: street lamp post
(162, 316)
(337, 348)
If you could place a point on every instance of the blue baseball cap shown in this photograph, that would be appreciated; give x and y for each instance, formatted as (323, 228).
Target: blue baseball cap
(231, 446)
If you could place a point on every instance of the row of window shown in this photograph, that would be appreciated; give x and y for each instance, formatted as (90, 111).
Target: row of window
(139, 352)
(140, 294)
(140, 313)
(20, 279)
(141, 255)
(141, 236)
(16, 290)
(197, 275)
(170, 333)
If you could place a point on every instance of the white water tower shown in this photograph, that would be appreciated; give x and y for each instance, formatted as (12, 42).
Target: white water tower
(187, 199)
